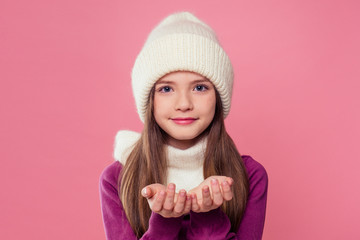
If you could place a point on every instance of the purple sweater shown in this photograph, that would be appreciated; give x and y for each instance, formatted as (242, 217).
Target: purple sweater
(210, 225)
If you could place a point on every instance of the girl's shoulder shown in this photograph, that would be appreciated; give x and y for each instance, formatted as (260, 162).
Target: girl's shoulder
(255, 170)
(109, 176)
(124, 141)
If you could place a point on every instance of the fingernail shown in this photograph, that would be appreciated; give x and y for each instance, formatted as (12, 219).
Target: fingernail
(162, 193)
(225, 183)
(144, 191)
(231, 181)
(214, 181)
(182, 193)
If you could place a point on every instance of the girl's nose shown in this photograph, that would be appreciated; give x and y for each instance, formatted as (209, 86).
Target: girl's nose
(183, 102)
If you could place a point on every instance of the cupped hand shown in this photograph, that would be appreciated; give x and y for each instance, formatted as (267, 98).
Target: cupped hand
(211, 193)
(164, 201)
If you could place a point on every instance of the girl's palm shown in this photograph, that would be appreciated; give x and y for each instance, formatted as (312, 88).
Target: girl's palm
(211, 193)
(164, 201)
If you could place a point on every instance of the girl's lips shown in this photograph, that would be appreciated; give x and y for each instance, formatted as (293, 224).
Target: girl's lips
(183, 121)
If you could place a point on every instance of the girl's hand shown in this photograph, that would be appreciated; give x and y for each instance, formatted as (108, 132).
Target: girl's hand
(211, 193)
(164, 201)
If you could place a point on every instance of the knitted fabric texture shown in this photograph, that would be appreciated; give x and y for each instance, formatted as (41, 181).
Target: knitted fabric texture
(185, 167)
(181, 42)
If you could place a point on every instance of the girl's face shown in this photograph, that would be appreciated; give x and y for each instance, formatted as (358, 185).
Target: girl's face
(184, 106)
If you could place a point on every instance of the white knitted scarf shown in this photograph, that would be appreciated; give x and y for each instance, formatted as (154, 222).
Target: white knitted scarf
(185, 167)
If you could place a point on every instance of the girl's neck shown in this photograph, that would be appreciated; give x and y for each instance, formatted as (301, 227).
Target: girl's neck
(184, 144)
(186, 159)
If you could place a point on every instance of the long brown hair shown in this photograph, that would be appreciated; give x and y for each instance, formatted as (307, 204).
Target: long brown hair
(147, 164)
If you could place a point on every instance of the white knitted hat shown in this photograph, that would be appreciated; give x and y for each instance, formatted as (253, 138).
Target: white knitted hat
(181, 42)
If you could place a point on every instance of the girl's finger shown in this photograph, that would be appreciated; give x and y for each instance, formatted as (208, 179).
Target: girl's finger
(230, 181)
(206, 198)
(169, 200)
(216, 192)
(187, 206)
(158, 202)
(194, 203)
(145, 192)
(226, 191)
(180, 203)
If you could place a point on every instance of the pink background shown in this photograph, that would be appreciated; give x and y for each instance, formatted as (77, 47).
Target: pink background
(65, 91)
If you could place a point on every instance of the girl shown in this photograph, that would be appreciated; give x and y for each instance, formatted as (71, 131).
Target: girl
(182, 83)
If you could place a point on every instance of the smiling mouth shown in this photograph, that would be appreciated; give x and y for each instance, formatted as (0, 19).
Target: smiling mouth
(183, 121)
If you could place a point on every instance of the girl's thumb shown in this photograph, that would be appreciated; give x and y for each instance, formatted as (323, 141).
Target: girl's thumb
(144, 192)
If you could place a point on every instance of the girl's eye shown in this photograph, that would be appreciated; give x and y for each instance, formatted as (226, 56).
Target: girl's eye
(201, 88)
(165, 89)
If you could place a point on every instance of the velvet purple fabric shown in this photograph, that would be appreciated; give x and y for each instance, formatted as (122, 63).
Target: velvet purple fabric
(213, 225)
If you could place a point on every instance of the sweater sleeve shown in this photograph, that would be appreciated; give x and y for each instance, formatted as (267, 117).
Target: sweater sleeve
(215, 225)
(212, 225)
(252, 223)
(116, 225)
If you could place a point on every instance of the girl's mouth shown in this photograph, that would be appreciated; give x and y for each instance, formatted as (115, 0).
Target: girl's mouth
(183, 121)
